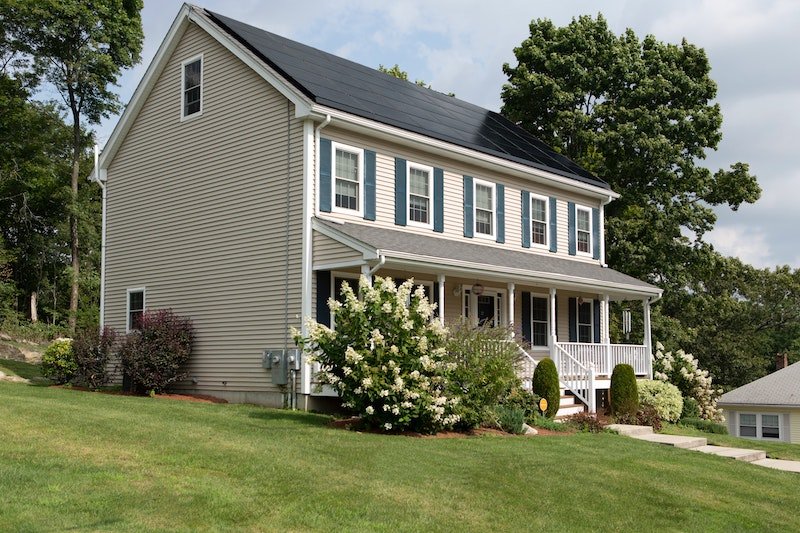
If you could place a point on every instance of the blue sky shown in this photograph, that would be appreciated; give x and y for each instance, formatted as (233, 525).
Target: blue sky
(460, 46)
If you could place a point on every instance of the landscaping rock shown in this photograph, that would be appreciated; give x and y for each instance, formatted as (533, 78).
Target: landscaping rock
(528, 430)
(10, 352)
(12, 379)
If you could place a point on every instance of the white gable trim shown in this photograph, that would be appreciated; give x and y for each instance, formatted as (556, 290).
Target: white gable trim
(186, 15)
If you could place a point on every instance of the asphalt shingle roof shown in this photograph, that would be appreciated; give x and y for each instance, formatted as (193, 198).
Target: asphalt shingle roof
(363, 91)
(389, 240)
(779, 388)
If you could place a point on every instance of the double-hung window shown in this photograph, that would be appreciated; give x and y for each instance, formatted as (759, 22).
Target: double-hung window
(192, 87)
(484, 209)
(539, 218)
(585, 321)
(748, 425)
(770, 427)
(539, 322)
(583, 229)
(760, 426)
(420, 195)
(348, 178)
(135, 309)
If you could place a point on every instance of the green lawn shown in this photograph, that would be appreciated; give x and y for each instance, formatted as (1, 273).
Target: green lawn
(23, 370)
(79, 460)
(775, 450)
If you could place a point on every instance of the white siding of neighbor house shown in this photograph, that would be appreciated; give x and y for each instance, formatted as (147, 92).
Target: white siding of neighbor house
(454, 172)
(789, 419)
(206, 214)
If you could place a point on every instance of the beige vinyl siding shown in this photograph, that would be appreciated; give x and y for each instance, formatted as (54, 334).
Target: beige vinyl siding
(203, 214)
(789, 419)
(328, 251)
(454, 172)
(794, 426)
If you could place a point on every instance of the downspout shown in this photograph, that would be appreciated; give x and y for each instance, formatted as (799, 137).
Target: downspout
(381, 262)
(102, 238)
(310, 143)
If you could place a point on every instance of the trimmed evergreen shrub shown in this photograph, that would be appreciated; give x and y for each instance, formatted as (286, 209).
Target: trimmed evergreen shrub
(90, 349)
(154, 355)
(664, 397)
(624, 392)
(545, 385)
(705, 425)
(58, 361)
(585, 423)
(690, 408)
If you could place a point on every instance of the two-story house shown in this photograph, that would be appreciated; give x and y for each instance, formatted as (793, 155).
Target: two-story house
(251, 174)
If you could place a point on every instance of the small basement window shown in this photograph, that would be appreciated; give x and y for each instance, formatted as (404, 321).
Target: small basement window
(192, 87)
(135, 309)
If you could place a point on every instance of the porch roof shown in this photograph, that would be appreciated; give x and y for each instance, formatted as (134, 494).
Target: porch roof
(490, 261)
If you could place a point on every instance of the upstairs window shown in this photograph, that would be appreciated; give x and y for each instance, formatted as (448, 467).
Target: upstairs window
(585, 321)
(192, 84)
(583, 229)
(484, 209)
(420, 194)
(135, 309)
(539, 207)
(348, 177)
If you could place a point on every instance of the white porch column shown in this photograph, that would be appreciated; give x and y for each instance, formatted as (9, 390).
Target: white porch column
(553, 329)
(606, 333)
(440, 279)
(365, 271)
(510, 319)
(648, 341)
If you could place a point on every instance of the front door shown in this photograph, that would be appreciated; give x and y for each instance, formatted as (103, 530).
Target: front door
(487, 310)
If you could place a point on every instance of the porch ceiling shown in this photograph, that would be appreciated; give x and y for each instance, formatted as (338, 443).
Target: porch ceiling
(441, 255)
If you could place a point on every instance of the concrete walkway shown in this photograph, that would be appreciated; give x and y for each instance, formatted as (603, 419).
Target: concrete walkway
(700, 444)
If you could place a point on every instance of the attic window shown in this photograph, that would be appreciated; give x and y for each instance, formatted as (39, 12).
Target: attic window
(192, 84)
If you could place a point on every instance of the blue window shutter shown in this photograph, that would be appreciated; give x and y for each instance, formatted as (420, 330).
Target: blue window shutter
(399, 191)
(438, 200)
(596, 306)
(573, 320)
(369, 185)
(596, 233)
(553, 225)
(323, 293)
(469, 226)
(526, 219)
(526, 316)
(501, 214)
(571, 227)
(325, 175)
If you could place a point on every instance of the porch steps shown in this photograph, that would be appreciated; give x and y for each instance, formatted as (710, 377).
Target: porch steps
(568, 406)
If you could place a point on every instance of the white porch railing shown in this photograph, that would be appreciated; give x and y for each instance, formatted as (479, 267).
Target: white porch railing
(526, 365)
(604, 357)
(576, 376)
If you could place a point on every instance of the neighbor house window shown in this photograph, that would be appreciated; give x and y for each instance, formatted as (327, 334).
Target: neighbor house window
(192, 83)
(348, 177)
(539, 321)
(539, 220)
(420, 193)
(484, 208)
(583, 229)
(747, 425)
(135, 309)
(770, 427)
(585, 319)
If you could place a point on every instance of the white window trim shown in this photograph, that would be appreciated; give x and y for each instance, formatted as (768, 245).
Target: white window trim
(470, 301)
(544, 347)
(590, 253)
(202, 86)
(546, 201)
(128, 292)
(429, 170)
(590, 301)
(493, 186)
(760, 426)
(360, 201)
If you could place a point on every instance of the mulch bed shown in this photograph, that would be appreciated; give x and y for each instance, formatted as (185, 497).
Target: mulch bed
(353, 423)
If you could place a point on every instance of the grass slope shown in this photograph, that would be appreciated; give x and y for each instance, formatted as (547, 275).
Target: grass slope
(23, 370)
(81, 460)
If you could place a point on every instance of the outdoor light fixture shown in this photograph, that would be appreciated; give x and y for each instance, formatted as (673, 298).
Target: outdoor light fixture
(477, 289)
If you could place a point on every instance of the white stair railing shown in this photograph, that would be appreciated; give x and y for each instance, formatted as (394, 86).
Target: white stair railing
(576, 377)
(526, 365)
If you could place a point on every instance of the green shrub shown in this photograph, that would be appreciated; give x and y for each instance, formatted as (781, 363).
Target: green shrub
(705, 425)
(39, 332)
(624, 393)
(510, 418)
(525, 400)
(682, 370)
(90, 350)
(484, 373)
(543, 422)
(58, 361)
(585, 423)
(644, 416)
(545, 384)
(154, 356)
(690, 408)
(664, 397)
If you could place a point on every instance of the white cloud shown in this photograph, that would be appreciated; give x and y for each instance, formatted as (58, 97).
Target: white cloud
(747, 243)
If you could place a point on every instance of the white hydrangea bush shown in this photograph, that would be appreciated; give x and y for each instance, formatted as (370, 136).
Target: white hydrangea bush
(662, 396)
(681, 369)
(386, 357)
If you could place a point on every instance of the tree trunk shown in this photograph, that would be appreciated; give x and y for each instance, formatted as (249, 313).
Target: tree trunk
(34, 307)
(73, 221)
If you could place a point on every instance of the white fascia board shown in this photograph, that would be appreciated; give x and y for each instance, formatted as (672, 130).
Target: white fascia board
(366, 250)
(443, 148)
(502, 273)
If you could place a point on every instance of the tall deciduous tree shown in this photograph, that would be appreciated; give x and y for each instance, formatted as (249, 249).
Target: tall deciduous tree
(80, 48)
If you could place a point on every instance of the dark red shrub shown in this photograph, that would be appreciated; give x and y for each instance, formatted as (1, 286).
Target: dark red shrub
(154, 356)
(90, 350)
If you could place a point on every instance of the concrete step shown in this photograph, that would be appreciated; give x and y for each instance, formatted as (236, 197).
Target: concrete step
(678, 441)
(569, 410)
(630, 430)
(740, 454)
(779, 464)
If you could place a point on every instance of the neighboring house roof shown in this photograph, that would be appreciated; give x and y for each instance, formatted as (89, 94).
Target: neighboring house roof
(779, 388)
(365, 92)
(397, 244)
